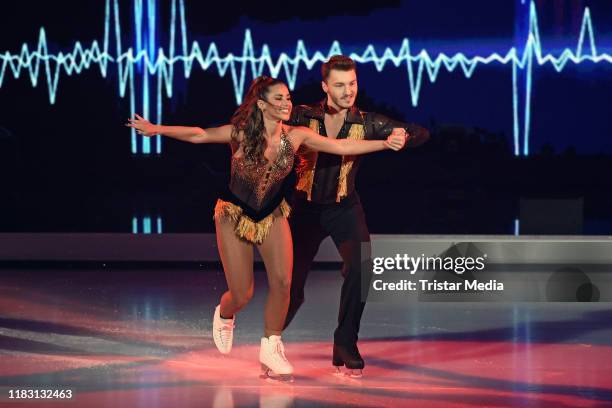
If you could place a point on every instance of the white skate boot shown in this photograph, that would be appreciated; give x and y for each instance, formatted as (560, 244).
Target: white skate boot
(274, 364)
(223, 331)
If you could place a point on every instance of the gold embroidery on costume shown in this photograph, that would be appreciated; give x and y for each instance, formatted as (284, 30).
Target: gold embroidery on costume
(308, 161)
(356, 132)
(256, 184)
(262, 176)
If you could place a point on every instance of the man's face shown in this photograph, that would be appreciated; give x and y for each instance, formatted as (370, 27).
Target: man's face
(341, 88)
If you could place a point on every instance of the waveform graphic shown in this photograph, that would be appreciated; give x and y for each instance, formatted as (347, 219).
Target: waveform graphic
(145, 71)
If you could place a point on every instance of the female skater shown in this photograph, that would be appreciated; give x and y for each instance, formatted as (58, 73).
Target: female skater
(253, 210)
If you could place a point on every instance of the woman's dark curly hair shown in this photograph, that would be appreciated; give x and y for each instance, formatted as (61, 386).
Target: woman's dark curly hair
(248, 118)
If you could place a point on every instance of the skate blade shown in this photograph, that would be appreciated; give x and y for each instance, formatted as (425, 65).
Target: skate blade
(223, 352)
(350, 372)
(271, 376)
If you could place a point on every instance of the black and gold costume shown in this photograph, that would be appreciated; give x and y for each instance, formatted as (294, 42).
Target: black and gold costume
(325, 203)
(256, 192)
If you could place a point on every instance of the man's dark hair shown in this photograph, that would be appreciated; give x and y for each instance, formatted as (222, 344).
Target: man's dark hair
(339, 62)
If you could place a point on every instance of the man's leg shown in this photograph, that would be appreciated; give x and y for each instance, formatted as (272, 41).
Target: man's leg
(307, 236)
(348, 228)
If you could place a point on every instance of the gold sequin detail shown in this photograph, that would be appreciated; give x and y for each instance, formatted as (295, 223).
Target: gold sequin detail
(262, 178)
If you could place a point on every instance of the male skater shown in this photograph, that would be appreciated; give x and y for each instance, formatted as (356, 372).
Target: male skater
(325, 201)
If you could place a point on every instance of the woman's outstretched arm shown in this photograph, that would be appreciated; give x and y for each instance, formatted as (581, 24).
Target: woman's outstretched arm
(221, 134)
(348, 147)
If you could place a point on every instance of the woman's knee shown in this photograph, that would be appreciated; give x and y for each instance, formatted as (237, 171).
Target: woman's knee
(242, 297)
(281, 285)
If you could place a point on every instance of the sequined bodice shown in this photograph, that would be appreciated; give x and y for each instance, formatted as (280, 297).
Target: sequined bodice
(257, 184)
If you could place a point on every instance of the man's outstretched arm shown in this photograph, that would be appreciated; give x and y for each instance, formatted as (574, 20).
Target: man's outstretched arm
(379, 127)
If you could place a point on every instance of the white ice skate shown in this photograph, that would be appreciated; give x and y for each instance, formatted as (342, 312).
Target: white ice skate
(274, 364)
(223, 331)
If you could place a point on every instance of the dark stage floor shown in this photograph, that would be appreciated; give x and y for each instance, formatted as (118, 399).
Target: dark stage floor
(142, 338)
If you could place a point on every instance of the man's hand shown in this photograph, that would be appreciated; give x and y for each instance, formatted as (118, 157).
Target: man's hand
(142, 126)
(397, 139)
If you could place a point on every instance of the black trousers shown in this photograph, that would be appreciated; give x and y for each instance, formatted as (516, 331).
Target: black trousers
(346, 224)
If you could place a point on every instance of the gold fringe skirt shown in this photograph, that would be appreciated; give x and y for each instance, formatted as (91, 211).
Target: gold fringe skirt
(245, 227)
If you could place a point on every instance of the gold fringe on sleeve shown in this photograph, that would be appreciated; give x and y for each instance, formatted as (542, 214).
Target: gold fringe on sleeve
(245, 227)
(306, 167)
(356, 132)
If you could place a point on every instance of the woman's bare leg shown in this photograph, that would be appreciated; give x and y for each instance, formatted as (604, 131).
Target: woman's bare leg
(277, 254)
(237, 259)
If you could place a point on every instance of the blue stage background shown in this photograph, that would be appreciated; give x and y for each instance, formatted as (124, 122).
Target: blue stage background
(516, 94)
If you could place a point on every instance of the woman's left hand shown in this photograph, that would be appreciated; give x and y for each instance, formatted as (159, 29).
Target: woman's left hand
(142, 126)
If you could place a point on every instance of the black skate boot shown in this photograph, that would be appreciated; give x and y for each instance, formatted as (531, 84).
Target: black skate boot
(348, 355)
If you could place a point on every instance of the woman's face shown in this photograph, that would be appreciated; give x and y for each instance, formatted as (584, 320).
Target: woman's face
(277, 105)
